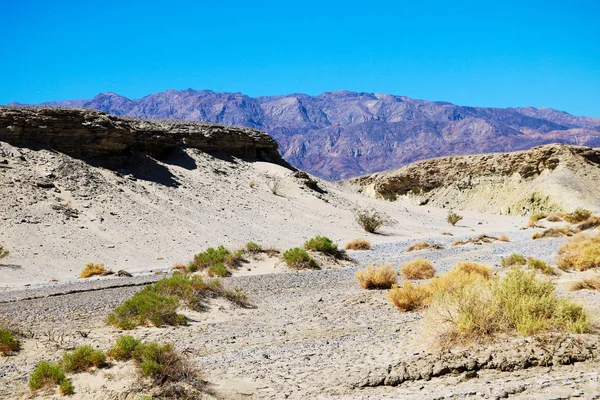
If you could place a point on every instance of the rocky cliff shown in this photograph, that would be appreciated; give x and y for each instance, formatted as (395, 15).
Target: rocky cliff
(338, 135)
(110, 140)
(545, 178)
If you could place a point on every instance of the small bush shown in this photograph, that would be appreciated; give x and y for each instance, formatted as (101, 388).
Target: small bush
(590, 223)
(409, 297)
(208, 258)
(179, 267)
(252, 247)
(477, 240)
(321, 244)
(453, 218)
(3, 253)
(358, 244)
(370, 220)
(533, 219)
(579, 215)
(161, 363)
(382, 277)
(275, 186)
(218, 270)
(554, 217)
(66, 387)
(418, 268)
(474, 268)
(92, 269)
(82, 358)
(503, 238)
(513, 259)
(552, 233)
(581, 253)
(8, 343)
(424, 246)
(540, 265)
(298, 258)
(233, 260)
(46, 374)
(124, 348)
(587, 284)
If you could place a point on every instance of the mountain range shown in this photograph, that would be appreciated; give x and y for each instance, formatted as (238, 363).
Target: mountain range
(338, 135)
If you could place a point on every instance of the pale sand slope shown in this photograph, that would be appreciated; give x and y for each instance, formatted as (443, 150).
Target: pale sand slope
(175, 209)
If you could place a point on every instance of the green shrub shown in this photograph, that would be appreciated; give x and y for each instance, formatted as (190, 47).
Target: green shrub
(254, 247)
(147, 306)
(8, 343)
(159, 362)
(46, 374)
(66, 387)
(513, 259)
(370, 220)
(82, 358)
(124, 348)
(298, 258)
(321, 244)
(453, 218)
(540, 266)
(218, 270)
(208, 258)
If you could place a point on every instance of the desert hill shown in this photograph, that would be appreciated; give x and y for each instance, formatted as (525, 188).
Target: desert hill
(338, 135)
(546, 178)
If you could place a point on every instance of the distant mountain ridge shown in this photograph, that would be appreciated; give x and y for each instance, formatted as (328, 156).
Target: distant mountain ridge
(337, 135)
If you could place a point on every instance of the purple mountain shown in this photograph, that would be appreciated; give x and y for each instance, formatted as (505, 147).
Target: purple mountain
(338, 135)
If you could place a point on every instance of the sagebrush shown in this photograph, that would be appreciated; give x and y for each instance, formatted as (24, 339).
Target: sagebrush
(376, 277)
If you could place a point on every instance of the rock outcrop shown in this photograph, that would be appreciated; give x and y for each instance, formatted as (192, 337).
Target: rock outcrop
(111, 140)
(545, 178)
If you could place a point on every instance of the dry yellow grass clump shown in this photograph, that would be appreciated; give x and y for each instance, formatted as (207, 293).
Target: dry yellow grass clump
(358, 244)
(424, 245)
(419, 268)
(581, 253)
(503, 238)
(590, 223)
(579, 215)
(474, 268)
(553, 233)
(409, 297)
(533, 219)
(179, 267)
(554, 217)
(92, 269)
(382, 277)
(588, 283)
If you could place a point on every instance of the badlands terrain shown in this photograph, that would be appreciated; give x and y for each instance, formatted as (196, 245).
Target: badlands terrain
(81, 186)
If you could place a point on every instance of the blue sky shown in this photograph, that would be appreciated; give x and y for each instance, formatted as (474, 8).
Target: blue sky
(479, 53)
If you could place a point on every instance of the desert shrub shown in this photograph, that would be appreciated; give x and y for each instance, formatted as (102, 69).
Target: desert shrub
(513, 259)
(321, 244)
(587, 284)
(219, 270)
(581, 253)
(233, 260)
(552, 232)
(554, 217)
(8, 343)
(503, 238)
(124, 348)
(298, 258)
(46, 374)
(92, 269)
(453, 218)
(590, 223)
(474, 268)
(423, 246)
(358, 244)
(382, 277)
(3, 253)
(534, 218)
(161, 363)
(208, 258)
(370, 220)
(252, 247)
(477, 240)
(66, 387)
(540, 265)
(179, 267)
(275, 186)
(82, 358)
(419, 268)
(579, 215)
(146, 306)
(409, 297)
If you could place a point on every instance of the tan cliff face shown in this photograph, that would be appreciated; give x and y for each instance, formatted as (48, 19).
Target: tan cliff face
(110, 140)
(545, 178)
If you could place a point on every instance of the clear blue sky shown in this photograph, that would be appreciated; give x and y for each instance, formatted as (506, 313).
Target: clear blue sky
(480, 53)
